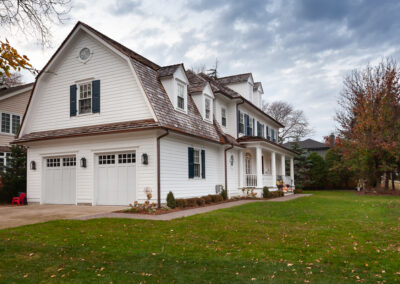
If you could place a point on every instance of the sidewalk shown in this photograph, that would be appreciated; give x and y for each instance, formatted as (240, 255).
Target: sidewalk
(188, 212)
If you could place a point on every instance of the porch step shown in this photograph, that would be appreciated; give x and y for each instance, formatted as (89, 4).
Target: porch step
(288, 193)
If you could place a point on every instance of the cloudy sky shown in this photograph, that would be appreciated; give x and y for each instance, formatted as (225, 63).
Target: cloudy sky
(300, 49)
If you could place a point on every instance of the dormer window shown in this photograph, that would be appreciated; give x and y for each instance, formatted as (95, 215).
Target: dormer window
(181, 96)
(208, 109)
(223, 117)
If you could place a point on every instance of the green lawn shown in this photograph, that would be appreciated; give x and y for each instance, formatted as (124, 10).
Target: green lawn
(330, 237)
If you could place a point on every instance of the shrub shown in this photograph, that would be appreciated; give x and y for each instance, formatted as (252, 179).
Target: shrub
(207, 199)
(171, 203)
(181, 203)
(216, 198)
(200, 201)
(191, 202)
(298, 190)
(224, 194)
(266, 192)
(281, 193)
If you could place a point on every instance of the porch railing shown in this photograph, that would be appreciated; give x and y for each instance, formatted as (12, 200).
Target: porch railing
(250, 180)
(267, 180)
(287, 180)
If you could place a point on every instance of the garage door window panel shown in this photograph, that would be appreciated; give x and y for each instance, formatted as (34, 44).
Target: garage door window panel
(106, 159)
(127, 158)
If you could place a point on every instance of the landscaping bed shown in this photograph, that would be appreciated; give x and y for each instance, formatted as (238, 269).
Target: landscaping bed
(174, 205)
(379, 191)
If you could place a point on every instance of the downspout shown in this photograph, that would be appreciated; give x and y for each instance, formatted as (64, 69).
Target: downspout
(158, 168)
(226, 168)
(238, 118)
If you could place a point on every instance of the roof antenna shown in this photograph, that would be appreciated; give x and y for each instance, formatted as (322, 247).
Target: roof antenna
(213, 72)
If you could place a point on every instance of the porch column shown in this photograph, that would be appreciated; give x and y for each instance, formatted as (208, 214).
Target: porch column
(283, 166)
(241, 166)
(273, 169)
(292, 170)
(259, 167)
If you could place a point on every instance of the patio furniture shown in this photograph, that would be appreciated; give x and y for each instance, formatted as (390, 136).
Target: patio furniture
(18, 200)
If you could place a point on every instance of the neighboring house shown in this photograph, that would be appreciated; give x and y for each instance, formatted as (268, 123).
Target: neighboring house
(105, 125)
(311, 146)
(13, 101)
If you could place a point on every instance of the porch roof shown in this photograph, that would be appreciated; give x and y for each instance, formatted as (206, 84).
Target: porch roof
(254, 139)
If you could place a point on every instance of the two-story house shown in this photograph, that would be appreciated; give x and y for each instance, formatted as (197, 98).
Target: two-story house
(13, 101)
(105, 125)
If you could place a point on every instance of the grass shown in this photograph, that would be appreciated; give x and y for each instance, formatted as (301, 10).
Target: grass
(330, 237)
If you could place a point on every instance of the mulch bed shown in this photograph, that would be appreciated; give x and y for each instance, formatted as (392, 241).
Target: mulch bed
(161, 211)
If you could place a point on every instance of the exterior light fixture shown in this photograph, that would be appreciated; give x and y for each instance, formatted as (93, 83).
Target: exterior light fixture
(33, 165)
(145, 159)
(83, 162)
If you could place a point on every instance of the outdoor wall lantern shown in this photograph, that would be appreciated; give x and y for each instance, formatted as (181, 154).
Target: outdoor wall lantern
(33, 165)
(232, 160)
(145, 159)
(83, 162)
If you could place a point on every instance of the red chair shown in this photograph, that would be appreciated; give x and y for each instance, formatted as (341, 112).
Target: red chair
(18, 200)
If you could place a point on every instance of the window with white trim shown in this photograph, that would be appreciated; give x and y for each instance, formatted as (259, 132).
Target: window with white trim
(181, 96)
(197, 163)
(106, 159)
(127, 158)
(4, 159)
(241, 123)
(85, 98)
(223, 117)
(53, 162)
(69, 162)
(10, 123)
(207, 109)
(251, 120)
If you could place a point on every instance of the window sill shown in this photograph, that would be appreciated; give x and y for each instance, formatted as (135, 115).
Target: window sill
(8, 134)
(85, 114)
(181, 110)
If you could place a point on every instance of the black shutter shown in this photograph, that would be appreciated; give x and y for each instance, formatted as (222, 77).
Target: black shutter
(96, 96)
(191, 162)
(252, 134)
(72, 100)
(203, 164)
(258, 129)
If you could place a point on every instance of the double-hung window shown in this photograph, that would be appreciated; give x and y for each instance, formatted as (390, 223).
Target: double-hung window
(197, 163)
(223, 117)
(4, 158)
(181, 96)
(251, 133)
(10, 123)
(241, 123)
(85, 98)
(208, 109)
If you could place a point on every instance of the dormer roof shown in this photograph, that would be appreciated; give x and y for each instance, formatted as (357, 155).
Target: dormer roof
(233, 79)
(168, 71)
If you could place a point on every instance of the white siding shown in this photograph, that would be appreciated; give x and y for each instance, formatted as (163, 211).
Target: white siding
(122, 99)
(174, 167)
(233, 173)
(88, 147)
(230, 107)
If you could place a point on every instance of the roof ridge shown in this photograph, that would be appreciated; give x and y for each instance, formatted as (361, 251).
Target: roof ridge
(247, 73)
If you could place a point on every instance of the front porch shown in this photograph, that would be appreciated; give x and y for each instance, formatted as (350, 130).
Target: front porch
(264, 165)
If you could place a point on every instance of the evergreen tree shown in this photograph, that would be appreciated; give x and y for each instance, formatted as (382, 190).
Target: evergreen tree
(13, 177)
(301, 166)
(317, 172)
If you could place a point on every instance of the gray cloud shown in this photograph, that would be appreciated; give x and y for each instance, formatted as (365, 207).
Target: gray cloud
(299, 49)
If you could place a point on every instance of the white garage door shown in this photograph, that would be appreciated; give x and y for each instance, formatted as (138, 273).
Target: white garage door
(116, 178)
(59, 180)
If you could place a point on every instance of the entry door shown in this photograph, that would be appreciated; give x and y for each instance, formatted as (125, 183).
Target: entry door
(116, 178)
(60, 180)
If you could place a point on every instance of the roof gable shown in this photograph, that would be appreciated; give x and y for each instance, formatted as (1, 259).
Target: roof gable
(12, 91)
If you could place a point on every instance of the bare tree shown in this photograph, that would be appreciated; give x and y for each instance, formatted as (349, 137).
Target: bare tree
(34, 17)
(213, 72)
(201, 68)
(295, 122)
(13, 80)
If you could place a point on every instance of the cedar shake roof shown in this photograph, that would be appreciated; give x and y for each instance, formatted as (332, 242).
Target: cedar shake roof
(257, 139)
(256, 86)
(89, 130)
(167, 71)
(308, 144)
(191, 123)
(6, 91)
(234, 79)
(196, 82)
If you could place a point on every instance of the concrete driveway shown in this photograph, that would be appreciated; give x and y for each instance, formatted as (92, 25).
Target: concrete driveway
(14, 216)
